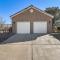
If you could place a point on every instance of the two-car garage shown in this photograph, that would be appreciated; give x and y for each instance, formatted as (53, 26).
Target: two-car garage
(31, 20)
(38, 27)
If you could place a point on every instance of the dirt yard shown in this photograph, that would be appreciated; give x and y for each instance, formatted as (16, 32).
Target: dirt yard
(46, 47)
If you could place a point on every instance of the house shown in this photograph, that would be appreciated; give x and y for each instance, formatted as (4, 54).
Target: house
(31, 20)
(57, 26)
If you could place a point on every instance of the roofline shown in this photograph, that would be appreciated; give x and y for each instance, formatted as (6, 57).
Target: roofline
(31, 6)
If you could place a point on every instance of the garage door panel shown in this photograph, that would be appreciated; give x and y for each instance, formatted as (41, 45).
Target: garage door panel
(40, 27)
(23, 27)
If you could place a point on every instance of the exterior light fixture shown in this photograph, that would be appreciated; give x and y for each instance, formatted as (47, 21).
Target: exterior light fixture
(13, 22)
(49, 20)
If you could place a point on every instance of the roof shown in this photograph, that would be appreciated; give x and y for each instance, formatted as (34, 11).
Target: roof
(31, 6)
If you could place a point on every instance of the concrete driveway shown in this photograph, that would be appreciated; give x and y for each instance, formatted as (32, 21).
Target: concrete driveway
(45, 47)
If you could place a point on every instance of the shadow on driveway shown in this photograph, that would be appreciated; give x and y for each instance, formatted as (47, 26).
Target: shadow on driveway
(22, 38)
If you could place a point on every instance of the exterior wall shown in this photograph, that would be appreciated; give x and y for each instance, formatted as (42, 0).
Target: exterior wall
(35, 16)
(14, 26)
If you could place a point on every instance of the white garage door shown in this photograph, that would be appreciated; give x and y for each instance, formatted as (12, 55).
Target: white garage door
(23, 27)
(40, 27)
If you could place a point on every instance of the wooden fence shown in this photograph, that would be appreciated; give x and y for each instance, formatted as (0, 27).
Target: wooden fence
(5, 32)
(5, 28)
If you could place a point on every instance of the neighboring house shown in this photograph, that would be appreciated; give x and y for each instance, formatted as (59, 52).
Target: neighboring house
(57, 25)
(31, 20)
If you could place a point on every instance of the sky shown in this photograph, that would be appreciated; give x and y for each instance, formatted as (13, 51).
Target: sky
(9, 7)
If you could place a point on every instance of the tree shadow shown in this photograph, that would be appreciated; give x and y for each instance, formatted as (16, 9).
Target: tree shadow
(22, 38)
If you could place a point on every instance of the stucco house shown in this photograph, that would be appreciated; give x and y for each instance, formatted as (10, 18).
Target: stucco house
(31, 20)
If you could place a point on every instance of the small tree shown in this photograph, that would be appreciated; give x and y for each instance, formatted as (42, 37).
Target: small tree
(52, 10)
(55, 11)
(2, 22)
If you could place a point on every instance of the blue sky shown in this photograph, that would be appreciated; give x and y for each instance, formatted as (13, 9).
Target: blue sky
(9, 7)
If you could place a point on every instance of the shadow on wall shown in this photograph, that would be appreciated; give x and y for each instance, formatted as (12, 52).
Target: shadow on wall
(22, 38)
(56, 35)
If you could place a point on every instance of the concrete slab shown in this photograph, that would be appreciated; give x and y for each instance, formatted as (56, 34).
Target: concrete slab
(46, 52)
(15, 52)
(44, 47)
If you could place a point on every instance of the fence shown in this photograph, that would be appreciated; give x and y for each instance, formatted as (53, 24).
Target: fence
(5, 32)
